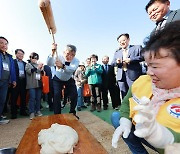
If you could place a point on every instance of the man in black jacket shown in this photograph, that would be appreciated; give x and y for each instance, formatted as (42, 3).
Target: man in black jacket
(20, 89)
(109, 83)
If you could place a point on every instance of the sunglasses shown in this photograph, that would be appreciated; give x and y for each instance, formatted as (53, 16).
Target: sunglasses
(33, 57)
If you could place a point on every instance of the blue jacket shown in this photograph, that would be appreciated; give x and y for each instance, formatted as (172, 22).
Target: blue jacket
(12, 68)
(134, 69)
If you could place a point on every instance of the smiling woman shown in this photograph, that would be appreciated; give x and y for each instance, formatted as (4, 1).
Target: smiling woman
(153, 101)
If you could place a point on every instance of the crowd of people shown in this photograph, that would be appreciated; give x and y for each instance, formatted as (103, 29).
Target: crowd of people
(149, 104)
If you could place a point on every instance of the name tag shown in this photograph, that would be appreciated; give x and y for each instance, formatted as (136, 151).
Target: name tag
(21, 73)
(38, 76)
(5, 66)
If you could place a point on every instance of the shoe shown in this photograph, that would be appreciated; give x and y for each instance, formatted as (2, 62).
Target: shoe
(63, 106)
(41, 107)
(93, 108)
(105, 108)
(39, 114)
(98, 108)
(4, 121)
(31, 116)
(3, 116)
(13, 116)
(89, 103)
(84, 106)
(79, 108)
(116, 108)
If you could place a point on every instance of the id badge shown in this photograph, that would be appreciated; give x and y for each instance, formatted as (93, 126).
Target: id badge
(38, 76)
(21, 73)
(5, 66)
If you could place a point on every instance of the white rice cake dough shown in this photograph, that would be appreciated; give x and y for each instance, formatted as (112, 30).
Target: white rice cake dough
(58, 139)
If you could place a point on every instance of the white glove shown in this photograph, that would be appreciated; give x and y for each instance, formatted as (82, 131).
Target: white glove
(123, 130)
(148, 128)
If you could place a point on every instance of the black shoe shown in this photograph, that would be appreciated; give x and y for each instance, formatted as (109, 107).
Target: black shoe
(79, 108)
(14, 117)
(93, 108)
(105, 108)
(63, 106)
(116, 108)
(84, 106)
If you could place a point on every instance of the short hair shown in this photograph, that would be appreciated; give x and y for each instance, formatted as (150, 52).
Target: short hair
(34, 55)
(167, 38)
(94, 56)
(1, 37)
(152, 2)
(16, 51)
(70, 47)
(88, 59)
(124, 34)
(106, 56)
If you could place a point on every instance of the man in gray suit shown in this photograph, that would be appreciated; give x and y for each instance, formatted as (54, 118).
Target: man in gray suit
(127, 59)
(159, 12)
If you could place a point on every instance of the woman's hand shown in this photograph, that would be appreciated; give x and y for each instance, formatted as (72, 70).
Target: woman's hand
(148, 128)
(123, 130)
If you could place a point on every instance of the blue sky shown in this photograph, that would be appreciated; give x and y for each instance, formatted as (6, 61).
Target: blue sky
(91, 25)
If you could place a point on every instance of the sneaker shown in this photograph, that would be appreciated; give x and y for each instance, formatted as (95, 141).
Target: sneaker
(116, 108)
(79, 108)
(4, 121)
(93, 108)
(105, 108)
(98, 108)
(62, 106)
(39, 114)
(31, 116)
(3, 116)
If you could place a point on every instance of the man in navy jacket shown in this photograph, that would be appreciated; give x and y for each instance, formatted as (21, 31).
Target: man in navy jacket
(7, 74)
(127, 58)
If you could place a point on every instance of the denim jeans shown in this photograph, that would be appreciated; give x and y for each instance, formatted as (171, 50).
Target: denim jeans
(3, 93)
(34, 100)
(134, 143)
(80, 101)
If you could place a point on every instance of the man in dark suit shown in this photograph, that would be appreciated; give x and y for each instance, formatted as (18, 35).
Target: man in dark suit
(109, 83)
(159, 12)
(20, 89)
(127, 58)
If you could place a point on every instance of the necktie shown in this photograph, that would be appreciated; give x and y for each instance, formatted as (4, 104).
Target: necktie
(125, 54)
(159, 24)
(106, 68)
